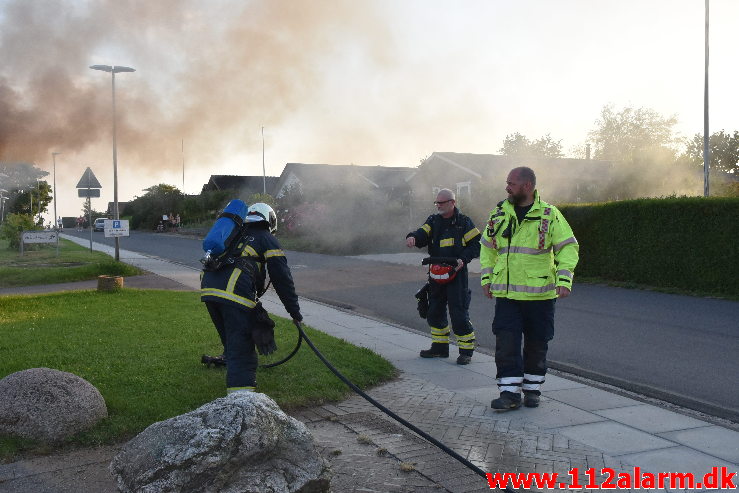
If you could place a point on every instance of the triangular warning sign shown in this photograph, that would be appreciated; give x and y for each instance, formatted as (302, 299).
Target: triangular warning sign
(89, 180)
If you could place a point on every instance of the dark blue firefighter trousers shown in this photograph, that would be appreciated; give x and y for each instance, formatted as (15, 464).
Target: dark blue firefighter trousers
(234, 328)
(532, 321)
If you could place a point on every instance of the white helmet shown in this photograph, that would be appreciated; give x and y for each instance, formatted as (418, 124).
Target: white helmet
(262, 212)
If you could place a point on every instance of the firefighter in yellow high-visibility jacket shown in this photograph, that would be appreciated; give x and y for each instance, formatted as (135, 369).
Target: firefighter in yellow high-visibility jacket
(528, 255)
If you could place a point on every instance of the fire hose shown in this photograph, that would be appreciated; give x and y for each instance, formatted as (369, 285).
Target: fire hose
(387, 411)
(303, 336)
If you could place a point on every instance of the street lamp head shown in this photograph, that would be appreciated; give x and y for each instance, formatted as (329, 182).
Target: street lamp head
(55, 153)
(104, 68)
(119, 68)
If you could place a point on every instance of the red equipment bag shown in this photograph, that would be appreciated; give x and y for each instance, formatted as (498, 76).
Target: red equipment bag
(442, 273)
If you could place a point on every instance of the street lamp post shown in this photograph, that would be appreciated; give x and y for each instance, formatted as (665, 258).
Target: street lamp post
(113, 70)
(264, 171)
(53, 158)
(3, 198)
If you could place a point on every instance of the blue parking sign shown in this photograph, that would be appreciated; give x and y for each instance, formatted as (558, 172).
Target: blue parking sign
(116, 224)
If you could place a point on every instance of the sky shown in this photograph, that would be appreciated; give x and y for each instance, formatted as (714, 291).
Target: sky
(368, 82)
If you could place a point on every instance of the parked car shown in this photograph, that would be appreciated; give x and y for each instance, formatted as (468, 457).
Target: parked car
(99, 224)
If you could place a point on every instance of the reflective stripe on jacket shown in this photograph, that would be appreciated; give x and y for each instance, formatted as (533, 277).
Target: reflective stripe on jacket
(242, 282)
(540, 254)
(459, 240)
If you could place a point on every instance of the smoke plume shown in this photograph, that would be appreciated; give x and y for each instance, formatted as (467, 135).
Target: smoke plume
(206, 75)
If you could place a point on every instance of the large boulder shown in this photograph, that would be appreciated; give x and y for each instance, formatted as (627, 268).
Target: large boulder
(48, 405)
(239, 443)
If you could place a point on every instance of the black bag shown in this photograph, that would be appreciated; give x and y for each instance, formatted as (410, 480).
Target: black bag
(263, 332)
(422, 295)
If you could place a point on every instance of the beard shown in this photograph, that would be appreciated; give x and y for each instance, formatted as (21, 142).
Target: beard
(517, 199)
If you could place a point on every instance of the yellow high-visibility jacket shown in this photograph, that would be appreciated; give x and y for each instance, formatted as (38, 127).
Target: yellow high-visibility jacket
(527, 261)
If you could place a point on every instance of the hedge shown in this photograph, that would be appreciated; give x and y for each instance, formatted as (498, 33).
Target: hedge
(689, 243)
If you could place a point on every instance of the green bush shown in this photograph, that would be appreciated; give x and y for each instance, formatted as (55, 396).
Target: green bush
(14, 225)
(687, 243)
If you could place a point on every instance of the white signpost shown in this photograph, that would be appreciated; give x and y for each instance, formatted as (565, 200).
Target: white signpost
(46, 236)
(116, 227)
(89, 186)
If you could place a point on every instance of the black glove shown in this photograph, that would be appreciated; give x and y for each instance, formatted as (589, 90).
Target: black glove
(422, 295)
(263, 331)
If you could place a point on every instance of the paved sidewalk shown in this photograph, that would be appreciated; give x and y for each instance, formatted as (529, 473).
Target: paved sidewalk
(577, 425)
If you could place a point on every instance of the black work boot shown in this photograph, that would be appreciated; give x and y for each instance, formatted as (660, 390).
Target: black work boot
(506, 401)
(438, 350)
(213, 361)
(530, 399)
(465, 357)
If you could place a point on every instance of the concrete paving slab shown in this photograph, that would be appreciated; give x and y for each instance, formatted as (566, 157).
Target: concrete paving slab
(552, 414)
(486, 368)
(651, 419)
(588, 398)
(679, 458)
(411, 363)
(455, 378)
(614, 438)
(483, 394)
(553, 382)
(713, 440)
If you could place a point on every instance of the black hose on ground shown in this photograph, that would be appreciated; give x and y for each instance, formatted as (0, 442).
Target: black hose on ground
(387, 411)
(295, 350)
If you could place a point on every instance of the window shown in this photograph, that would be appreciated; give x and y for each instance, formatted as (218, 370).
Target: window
(464, 190)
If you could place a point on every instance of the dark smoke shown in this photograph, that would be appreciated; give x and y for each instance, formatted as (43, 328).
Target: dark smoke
(205, 72)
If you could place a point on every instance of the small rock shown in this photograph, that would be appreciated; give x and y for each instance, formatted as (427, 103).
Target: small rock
(48, 405)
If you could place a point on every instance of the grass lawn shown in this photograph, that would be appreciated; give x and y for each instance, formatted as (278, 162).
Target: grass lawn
(41, 265)
(141, 349)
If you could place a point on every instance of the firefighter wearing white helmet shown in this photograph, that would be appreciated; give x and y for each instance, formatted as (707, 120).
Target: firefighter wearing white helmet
(262, 212)
(232, 296)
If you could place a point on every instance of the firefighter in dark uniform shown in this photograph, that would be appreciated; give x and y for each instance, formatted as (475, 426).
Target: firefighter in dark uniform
(448, 234)
(231, 296)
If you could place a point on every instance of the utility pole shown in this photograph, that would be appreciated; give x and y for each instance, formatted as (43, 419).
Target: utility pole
(183, 166)
(53, 157)
(706, 136)
(264, 172)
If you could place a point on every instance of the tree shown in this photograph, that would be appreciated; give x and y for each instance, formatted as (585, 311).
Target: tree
(632, 134)
(519, 145)
(642, 146)
(159, 200)
(264, 198)
(26, 192)
(724, 151)
(88, 211)
(12, 227)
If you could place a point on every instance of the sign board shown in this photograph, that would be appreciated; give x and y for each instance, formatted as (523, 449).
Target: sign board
(116, 227)
(88, 192)
(39, 236)
(46, 236)
(89, 180)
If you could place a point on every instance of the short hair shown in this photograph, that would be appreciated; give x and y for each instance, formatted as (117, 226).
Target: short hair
(527, 174)
(448, 193)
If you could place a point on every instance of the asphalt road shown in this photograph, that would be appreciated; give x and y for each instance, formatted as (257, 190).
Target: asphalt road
(676, 348)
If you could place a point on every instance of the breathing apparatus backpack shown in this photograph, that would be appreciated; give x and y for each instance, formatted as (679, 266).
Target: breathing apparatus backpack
(220, 242)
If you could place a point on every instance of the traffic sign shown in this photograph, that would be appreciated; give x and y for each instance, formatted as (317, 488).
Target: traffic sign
(116, 227)
(89, 180)
(88, 192)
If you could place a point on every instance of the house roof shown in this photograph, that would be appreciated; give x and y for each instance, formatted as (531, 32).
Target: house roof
(234, 182)
(321, 175)
(482, 165)
(121, 207)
